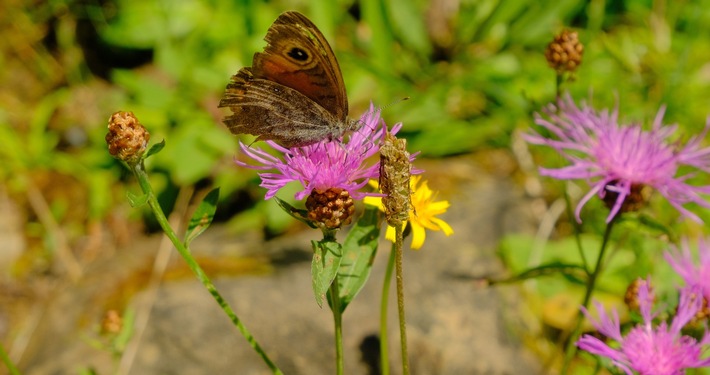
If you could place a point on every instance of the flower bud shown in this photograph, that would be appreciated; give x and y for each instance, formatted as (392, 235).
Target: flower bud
(331, 208)
(564, 53)
(127, 138)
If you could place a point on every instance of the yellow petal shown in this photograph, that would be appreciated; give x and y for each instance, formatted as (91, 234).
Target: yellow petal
(390, 234)
(444, 226)
(374, 201)
(418, 235)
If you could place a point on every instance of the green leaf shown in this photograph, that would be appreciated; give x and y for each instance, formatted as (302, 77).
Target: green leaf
(154, 149)
(573, 272)
(136, 200)
(326, 261)
(359, 249)
(296, 213)
(655, 225)
(202, 218)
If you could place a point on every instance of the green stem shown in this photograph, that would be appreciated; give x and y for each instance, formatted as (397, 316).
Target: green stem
(559, 79)
(8, 362)
(142, 177)
(400, 299)
(384, 355)
(577, 231)
(571, 349)
(338, 320)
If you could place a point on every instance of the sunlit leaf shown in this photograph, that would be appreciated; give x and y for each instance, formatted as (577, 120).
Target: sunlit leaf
(154, 149)
(359, 249)
(202, 218)
(326, 261)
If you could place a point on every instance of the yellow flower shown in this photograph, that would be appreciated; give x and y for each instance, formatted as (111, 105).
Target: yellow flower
(422, 215)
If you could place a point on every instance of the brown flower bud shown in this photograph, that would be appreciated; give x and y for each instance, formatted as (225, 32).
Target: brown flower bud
(330, 209)
(395, 171)
(127, 138)
(636, 200)
(564, 53)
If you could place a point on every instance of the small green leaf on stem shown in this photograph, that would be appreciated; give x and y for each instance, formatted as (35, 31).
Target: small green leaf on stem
(136, 200)
(572, 272)
(326, 261)
(154, 149)
(296, 213)
(202, 218)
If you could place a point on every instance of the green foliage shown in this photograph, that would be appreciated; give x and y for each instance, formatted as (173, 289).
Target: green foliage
(327, 256)
(359, 250)
(202, 217)
(474, 74)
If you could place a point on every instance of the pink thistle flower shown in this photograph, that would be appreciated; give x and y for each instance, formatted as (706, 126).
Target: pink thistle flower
(324, 165)
(695, 275)
(618, 160)
(649, 350)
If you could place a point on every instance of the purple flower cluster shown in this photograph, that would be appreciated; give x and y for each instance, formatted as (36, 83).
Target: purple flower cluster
(649, 350)
(695, 276)
(327, 164)
(615, 158)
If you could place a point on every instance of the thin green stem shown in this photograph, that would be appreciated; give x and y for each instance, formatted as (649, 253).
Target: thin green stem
(559, 79)
(338, 320)
(400, 299)
(384, 354)
(144, 183)
(571, 349)
(8, 362)
(577, 231)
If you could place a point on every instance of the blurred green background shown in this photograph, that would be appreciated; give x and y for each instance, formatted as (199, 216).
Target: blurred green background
(474, 70)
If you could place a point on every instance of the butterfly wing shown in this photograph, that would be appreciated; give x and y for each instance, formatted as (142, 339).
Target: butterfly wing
(276, 112)
(298, 56)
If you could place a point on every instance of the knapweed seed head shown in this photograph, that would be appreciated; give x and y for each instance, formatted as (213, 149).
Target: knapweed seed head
(564, 53)
(330, 209)
(622, 163)
(127, 138)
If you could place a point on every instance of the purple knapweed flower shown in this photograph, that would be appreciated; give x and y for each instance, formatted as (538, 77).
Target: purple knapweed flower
(649, 350)
(329, 164)
(619, 160)
(694, 274)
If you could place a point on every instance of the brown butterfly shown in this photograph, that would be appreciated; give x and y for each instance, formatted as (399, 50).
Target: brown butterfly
(293, 93)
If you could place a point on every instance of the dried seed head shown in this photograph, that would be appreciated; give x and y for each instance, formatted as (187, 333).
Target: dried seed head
(395, 171)
(127, 138)
(636, 200)
(330, 209)
(564, 53)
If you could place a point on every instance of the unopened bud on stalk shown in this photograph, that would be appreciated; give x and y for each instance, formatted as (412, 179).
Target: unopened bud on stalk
(127, 138)
(564, 53)
(331, 208)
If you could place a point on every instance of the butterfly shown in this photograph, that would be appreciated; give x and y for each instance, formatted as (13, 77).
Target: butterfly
(293, 94)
